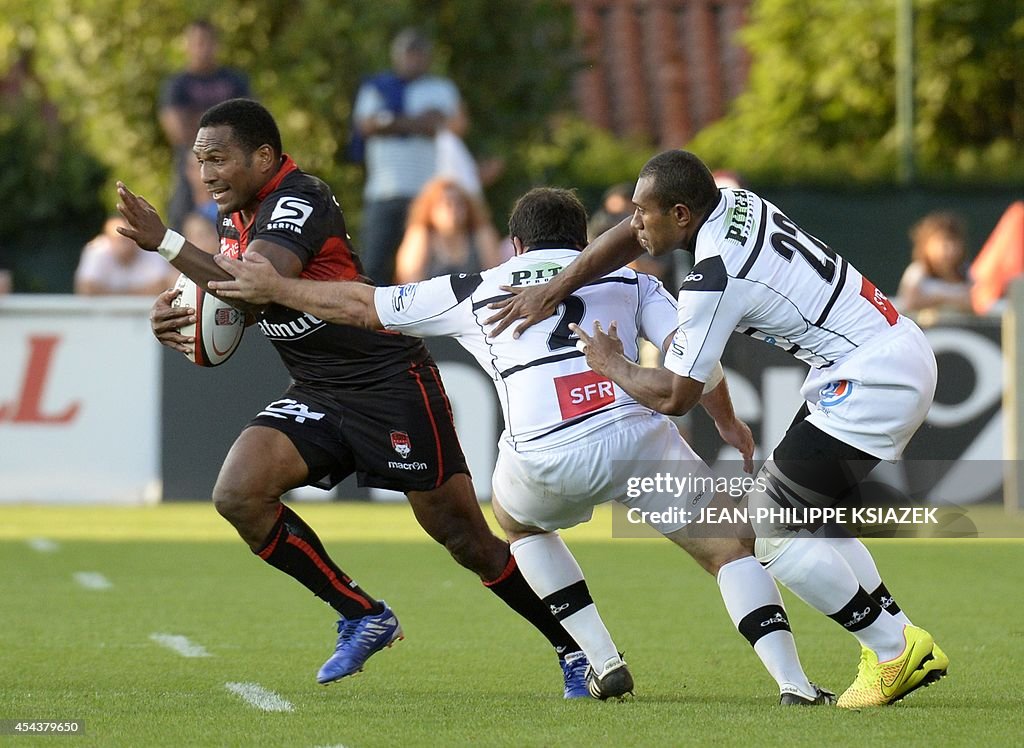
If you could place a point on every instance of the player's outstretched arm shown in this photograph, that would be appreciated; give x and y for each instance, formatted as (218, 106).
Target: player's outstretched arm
(146, 228)
(256, 281)
(657, 388)
(610, 251)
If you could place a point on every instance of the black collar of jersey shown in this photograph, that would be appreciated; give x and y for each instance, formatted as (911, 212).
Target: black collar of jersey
(691, 246)
(552, 245)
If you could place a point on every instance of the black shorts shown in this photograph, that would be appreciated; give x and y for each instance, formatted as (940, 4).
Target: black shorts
(811, 458)
(397, 434)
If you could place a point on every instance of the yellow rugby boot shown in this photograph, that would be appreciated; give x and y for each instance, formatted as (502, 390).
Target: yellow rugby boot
(881, 683)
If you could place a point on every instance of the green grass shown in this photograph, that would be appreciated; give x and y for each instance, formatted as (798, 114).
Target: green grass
(468, 672)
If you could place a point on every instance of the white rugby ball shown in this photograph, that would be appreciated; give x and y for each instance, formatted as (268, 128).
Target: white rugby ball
(218, 328)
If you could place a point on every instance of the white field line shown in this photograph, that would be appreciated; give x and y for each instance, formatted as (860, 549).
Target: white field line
(261, 698)
(180, 644)
(43, 545)
(92, 580)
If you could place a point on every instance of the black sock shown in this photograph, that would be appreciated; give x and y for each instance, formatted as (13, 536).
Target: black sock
(859, 613)
(888, 602)
(517, 594)
(762, 621)
(294, 548)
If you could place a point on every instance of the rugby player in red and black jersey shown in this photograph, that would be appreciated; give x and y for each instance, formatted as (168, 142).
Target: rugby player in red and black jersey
(366, 402)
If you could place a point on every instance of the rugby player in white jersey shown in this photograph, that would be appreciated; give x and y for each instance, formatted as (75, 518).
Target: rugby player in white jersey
(572, 438)
(871, 383)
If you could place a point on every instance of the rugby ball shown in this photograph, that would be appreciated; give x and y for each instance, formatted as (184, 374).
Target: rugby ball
(218, 328)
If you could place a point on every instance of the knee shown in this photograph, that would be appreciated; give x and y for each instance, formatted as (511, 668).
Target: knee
(233, 502)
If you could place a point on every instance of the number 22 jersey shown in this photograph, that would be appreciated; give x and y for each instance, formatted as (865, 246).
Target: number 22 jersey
(758, 273)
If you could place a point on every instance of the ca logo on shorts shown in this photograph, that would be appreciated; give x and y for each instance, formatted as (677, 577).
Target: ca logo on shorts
(834, 393)
(401, 444)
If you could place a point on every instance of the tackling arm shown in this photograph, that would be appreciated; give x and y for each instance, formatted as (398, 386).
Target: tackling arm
(611, 250)
(256, 281)
(657, 388)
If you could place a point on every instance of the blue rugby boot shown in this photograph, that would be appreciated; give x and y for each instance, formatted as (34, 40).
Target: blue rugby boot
(358, 640)
(574, 669)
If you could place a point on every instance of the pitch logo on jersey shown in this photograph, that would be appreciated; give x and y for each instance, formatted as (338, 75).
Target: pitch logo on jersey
(290, 213)
(533, 275)
(402, 296)
(401, 444)
(583, 393)
(741, 219)
(834, 393)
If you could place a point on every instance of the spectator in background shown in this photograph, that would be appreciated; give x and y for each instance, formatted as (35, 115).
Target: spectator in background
(202, 232)
(616, 204)
(6, 280)
(448, 232)
(113, 264)
(200, 225)
(937, 275)
(184, 98)
(399, 114)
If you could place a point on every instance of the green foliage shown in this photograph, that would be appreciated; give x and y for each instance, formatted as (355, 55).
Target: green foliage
(575, 154)
(820, 105)
(103, 62)
(45, 175)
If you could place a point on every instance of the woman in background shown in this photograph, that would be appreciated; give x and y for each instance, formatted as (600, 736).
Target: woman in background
(447, 232)
(937, 275)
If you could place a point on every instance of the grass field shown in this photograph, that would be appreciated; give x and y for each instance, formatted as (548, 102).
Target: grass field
(468, 672)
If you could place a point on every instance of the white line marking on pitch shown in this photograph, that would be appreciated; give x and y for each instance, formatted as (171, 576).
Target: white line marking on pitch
(92, 580)
(43, 545)
(180, 644)
(259, 697)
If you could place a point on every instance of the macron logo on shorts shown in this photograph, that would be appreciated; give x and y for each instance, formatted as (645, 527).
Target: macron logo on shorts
(583, 393)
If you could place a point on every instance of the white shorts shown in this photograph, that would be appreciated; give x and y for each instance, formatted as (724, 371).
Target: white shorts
(559, 487)
(877, 397)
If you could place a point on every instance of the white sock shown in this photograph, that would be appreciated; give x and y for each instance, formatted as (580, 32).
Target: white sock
(747, 588)
(816, 572)
(549, 567)
(863, 564)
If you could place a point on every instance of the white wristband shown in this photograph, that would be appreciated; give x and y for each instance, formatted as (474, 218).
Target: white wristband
(170, 245)
(714, 378)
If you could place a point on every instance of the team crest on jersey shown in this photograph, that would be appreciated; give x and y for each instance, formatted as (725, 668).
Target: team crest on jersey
(401, 296)
(290, 213)
(401, 444)
(834, 393)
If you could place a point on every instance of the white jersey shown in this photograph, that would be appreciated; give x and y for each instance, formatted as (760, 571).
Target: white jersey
(758, 273)
(549, 396)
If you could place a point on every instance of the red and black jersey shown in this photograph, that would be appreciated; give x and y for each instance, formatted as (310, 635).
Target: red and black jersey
(299, 212)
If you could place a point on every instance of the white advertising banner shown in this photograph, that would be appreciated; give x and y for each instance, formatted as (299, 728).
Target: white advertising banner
(79, 400)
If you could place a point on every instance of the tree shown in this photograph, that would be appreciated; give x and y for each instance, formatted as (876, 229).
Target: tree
(820, 104)
(103, 62)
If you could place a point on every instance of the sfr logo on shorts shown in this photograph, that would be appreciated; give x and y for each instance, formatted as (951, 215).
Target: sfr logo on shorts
(583, 393)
